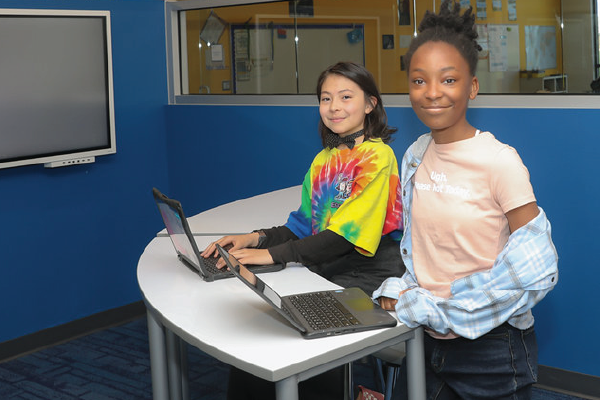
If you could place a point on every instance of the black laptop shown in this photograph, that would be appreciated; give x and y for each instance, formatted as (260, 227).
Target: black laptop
(179, 231)
(317, 314)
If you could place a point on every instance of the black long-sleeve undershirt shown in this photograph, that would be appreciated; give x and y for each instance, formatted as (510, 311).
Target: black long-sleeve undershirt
(284, 246)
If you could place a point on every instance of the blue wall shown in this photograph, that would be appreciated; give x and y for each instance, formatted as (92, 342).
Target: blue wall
(559, 148)
(70, 237)
(242, 151)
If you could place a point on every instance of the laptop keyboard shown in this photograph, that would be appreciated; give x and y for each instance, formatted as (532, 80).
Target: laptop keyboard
(322, 310)
(210, 263)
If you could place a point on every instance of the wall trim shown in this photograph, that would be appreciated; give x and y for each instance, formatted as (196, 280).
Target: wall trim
(63, 333)
(502, 101)
(569, 382)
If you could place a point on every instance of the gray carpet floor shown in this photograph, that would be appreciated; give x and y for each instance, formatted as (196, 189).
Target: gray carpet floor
(113, 364)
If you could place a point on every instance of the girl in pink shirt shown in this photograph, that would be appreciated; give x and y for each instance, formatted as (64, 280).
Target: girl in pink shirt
(472, 274)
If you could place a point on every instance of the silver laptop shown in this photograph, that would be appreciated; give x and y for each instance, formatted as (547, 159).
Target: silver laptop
(317, 314)
(179, 231)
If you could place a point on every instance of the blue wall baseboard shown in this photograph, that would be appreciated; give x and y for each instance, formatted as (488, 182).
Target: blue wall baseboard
(59, 334)
(572, 383)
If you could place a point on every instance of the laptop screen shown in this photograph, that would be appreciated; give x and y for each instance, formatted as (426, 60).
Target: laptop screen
(177, 233)
(252, 280)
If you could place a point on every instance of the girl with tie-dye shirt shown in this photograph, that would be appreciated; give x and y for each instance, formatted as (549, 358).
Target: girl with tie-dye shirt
(350, 200)
(349, 223)
(348, 226)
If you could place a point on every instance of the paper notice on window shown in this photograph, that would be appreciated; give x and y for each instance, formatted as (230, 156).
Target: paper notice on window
(482, 40)
(216, 52)
(498, 47)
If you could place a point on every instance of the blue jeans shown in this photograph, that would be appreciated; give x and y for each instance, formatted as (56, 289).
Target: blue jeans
(499, 365)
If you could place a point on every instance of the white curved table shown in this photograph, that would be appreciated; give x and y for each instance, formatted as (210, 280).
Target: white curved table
(243, 216)
(231, 323)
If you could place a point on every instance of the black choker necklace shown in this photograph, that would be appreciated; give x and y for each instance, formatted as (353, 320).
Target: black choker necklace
(333, 140)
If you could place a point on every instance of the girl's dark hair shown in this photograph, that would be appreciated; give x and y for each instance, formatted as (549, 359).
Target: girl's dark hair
(450, 27)
(375, 125)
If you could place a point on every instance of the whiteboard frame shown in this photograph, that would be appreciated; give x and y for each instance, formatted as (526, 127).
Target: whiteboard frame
(75, 156)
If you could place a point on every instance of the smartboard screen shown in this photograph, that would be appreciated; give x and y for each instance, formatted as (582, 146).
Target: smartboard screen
(56, 101)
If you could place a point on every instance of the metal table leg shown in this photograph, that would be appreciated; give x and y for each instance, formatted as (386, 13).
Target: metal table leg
(349, 381)
(415, 363)
(174, 365)
(287, 389)
(185, 387)
(158, 359)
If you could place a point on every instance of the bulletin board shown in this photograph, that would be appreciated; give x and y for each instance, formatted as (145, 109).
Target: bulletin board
(266, 59)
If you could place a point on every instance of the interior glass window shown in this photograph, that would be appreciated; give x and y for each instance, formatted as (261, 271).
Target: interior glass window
(529, 46)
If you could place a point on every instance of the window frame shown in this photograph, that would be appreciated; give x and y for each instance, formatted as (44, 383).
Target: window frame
(173, 21)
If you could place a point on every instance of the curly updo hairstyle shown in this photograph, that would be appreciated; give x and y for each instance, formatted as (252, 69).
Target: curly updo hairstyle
(449, 26)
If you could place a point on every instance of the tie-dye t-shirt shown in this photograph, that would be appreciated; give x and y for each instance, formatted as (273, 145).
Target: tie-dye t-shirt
(354, 193)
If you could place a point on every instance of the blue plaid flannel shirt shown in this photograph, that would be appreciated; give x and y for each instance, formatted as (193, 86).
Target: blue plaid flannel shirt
(523, 273)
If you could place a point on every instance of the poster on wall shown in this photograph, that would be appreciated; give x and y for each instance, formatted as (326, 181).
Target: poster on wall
(215, 59)
(403, 12)
(540, 47)
(241, 38)
(503, 44)
(301, 8)
(481, 9)
(482, 40)
(498, 48)
(512, 10)
(213, 29)
(387, 42)
(404, 41)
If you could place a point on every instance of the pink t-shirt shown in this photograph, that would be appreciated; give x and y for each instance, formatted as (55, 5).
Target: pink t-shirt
(462, 191)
